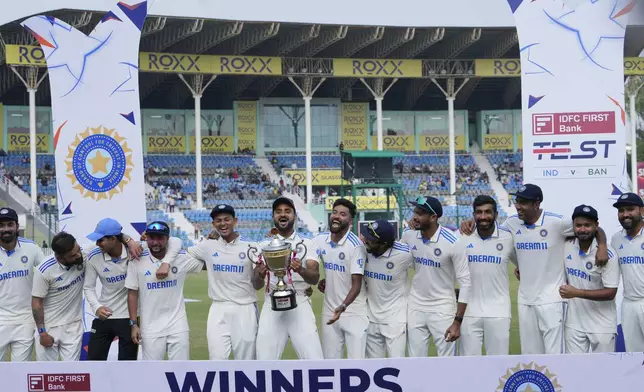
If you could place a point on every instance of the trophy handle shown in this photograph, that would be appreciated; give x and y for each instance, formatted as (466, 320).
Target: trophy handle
(254, 255)
(301, 245)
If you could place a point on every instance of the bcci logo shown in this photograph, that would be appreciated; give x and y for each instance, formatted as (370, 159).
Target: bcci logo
(99, 163)
(390, 265)
(528, 378)
(175, 270)
(589, 265)
(543, 233)
(24, 259)
(499, 247)
(437, 252)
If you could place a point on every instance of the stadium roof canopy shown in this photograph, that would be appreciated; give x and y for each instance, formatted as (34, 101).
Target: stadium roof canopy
(370, 32)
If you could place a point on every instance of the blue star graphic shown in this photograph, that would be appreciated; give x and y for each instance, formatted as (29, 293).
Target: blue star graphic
(129, 71)
(541, 67)
(590, 38)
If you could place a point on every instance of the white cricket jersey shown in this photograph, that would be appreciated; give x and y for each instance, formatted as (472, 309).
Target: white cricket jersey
(161, 302)
(299, 284)
(585, 315)
(387, 284)
(16, 281)
(539, 248)
(230, 272)
(488, 260)
(439, 265)
(631, 263)
(341, 261)
(62, 289)
(111, 273)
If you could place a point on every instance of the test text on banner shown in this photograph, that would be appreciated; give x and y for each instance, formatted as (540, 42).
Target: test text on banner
(500, 373)
(96, 121)
(246, 125)
(574, 131)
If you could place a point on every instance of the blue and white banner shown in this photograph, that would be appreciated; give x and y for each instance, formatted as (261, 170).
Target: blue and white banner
(96, 117)
(572, 80)
(544, 373)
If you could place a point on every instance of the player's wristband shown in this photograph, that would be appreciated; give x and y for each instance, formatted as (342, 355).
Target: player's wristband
(42, 330)
(133, 323)
(459, 319)
(343, 306)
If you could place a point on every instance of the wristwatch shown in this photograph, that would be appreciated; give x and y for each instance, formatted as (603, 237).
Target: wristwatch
(42, 330)
(343, 306)
(133, 323)
(459, 319)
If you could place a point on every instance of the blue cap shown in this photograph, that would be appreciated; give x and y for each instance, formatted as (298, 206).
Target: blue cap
(105, 228)
(629, 199)
(529, 192)
(380, 230)
(429, 204)
(585, 211)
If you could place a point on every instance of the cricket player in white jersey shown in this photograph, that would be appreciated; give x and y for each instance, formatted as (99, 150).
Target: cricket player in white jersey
(298, 324)
(164, 324)
(432, 309)
(232, 319)
(591, 317)
(489, 251)
(629, 244)
(539, 238)
(109, 263)
(387, 286)
(344, 314)
(18, 257)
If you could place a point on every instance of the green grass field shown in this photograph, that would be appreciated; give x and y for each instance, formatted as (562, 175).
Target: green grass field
(197, 288)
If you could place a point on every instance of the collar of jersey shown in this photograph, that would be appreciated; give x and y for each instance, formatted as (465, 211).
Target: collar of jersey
(339, 243)
(10, 252)
(385, 255)
(109, 258)
(290, 238)
(434, 238)
(625, 233)
(593, 246)
(539, 221)
(224, 242)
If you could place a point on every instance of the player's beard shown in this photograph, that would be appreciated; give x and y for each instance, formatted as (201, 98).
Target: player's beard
(339, 227)
(282, 225)
(630, 222)
(8, 236)
(484, 224)
(78, 261)
(584, 237)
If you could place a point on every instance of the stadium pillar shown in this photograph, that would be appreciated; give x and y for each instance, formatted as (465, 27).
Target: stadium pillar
(450, 95)
(31, 84)
(197, 89)
(307, 90)
(379, 91)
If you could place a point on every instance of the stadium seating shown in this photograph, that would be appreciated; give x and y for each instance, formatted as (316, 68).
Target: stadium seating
(509, 169)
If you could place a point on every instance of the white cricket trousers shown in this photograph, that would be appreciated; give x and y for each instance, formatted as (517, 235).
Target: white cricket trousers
(276, 327)
(423, 325)
(541, 328)
(68, 340)
(633, 325)
(578, 342)
(383, 339)
(176, 345)
(493, 331)
(349, 330)
(20, 339)
(231, 328)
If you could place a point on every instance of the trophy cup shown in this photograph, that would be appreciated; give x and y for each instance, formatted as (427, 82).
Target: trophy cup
(277, 256)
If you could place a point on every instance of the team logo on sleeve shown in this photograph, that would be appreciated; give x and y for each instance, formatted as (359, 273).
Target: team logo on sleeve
(530, 377)
(175, 270)
(589, 265)
(642, 246)
(80, 267)
(341, 255)
(24, 259)
(360, 263)
(543, 233)
(99, 163)
(499, 247)
(242, 255)
(437, 252)
(390, 265)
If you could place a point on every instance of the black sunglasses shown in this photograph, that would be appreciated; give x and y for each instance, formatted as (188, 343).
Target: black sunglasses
(158, 227)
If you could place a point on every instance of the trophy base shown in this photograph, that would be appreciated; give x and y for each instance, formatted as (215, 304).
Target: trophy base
(283, 300)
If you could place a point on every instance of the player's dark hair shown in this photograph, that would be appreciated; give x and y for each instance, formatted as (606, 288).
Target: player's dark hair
(482, 200)
(62, 243)
(353, 210)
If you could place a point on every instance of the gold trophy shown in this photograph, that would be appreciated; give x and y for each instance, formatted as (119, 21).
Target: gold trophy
(277, 256)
